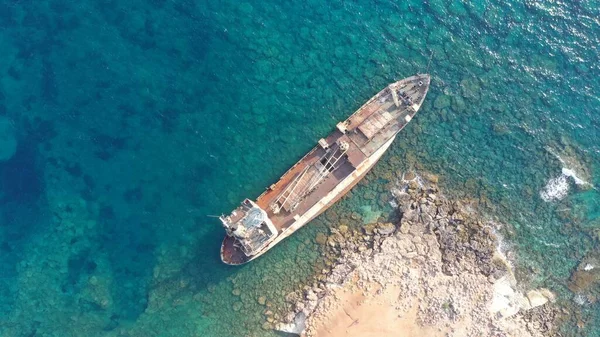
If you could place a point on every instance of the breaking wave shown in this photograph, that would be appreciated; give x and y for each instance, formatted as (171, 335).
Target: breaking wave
(570, 173)
(558, 188)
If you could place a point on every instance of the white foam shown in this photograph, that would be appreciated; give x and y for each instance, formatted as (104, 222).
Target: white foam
(550, 244)
(556, 189)
(580, 299)
(417, 178)
(570, 173)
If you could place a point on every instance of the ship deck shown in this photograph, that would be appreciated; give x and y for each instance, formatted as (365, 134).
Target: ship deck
(285, 219)
(371, 126)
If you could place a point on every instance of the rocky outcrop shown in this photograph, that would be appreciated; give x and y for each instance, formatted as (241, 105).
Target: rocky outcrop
(585, 279)
(441, 255)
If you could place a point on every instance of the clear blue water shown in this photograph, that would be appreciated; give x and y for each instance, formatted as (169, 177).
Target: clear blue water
(134, 120)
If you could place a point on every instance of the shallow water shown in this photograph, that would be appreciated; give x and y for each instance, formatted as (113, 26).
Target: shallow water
(135, 120)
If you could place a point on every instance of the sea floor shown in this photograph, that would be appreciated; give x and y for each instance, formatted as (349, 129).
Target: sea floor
(126, 125)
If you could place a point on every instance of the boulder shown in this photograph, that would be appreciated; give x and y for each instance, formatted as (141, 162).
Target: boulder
(292, 297)
(369, 228)
(297, 324)
(548, 294)
(311, 296)
(536, 298)
(386, 228)
(506, 301)
(409, 176)
(410, 215)
(404, 227)
(401, 197)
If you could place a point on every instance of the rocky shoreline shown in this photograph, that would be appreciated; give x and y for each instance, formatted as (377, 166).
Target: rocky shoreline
(438, 270)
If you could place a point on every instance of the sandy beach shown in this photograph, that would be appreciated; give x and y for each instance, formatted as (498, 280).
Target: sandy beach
(371, 315)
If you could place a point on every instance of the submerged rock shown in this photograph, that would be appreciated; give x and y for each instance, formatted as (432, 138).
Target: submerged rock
(442, 101)
(343, 229)
(237, 306)
(586, 277)
(409, 176)
(432, 178)
(321, 238)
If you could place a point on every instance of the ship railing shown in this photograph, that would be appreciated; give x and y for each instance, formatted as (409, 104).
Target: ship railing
(308, 180)
(321, 169)
(288, 192)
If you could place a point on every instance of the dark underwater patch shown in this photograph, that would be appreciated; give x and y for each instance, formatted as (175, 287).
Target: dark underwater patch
(107, 146)
(22, 179)
(39, 130)
(7, 16)
(196, 176)
(133, 195)
(49, 87)
(22, 214)
(130, 246)
(74, 169)
(168, 120)
(80, 267)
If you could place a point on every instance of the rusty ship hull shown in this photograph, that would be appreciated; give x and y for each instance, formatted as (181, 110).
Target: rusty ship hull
(324, 174)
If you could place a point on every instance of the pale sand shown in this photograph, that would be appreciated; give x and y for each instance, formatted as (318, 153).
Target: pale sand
(374, 315)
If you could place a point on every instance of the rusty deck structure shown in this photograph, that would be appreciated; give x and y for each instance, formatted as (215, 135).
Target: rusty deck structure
(324, 174)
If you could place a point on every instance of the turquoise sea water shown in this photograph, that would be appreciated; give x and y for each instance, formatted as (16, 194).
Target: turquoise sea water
(123, 124)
